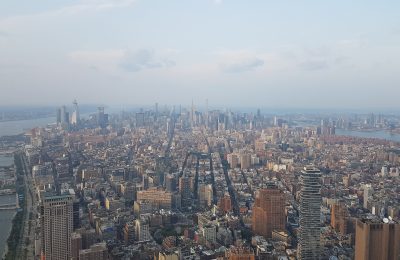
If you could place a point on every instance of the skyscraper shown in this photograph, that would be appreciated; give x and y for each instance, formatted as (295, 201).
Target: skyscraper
(269, 212)
(57, 225)
(170, 182)
(339, 218)
(185, 191)
(310, 214)
(58, 116)
(205, 195)
(75, 115)
(377, 239)
(368, 190)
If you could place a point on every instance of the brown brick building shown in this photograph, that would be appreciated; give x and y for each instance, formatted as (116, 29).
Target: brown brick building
(376, 240)
(268, 212)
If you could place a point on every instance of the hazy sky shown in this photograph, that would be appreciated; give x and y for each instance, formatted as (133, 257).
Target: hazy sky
(342, 53)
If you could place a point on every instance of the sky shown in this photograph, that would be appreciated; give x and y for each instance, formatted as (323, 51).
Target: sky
(261, 53)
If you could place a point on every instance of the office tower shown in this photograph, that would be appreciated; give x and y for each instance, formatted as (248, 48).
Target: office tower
(339, 218)
(59, 116)
(269, 212)
(205, 195)
(89, 237)
(57, 225)
(368, 190)
(377, 239)
(240, 253)
(185, 191)
(310, 214)
(75, 211)
(129, 233)
(192, 115)
(209, 232)
(145, 181)
(75, 115)
(95, 252)
(170, 182)
(233, 160)
(76, 245)
(206, 119)
(64, 115)
(100, 116)
(140, 121)
(245, 161)
(225, 203)
(156, 111)
(142, 232)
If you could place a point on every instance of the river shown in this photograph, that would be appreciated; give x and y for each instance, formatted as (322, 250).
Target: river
(19, 127)
(381, 134)
(6, 216)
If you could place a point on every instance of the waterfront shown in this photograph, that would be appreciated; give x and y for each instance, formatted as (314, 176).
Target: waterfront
(6, 161)
(382, 134)
(6, 217)
(19, 127)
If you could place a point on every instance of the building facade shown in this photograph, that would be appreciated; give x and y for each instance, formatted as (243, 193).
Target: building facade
(310, 213)
(57, 226)
(269, 212)
(377, 240)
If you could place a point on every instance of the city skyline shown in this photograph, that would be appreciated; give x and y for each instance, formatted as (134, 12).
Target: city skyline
(313, 55)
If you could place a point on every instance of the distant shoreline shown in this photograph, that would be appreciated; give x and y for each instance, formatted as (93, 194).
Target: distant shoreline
(25, 119)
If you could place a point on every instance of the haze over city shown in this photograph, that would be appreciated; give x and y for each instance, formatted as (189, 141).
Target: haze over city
(313, 54)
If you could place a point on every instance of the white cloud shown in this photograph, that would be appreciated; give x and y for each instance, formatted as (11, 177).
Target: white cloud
(242, 65)
(121, 60)
(80, 7)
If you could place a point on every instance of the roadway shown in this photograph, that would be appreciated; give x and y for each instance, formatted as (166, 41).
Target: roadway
(26, 247)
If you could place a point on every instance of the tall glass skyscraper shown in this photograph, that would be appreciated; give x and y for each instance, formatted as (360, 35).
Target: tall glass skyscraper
(309, 247)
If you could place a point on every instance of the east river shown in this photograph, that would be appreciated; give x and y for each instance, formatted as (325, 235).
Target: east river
(382, 134)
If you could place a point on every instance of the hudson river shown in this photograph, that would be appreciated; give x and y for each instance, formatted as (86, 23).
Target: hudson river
(19, 127)
(6, 216)
(13, 128)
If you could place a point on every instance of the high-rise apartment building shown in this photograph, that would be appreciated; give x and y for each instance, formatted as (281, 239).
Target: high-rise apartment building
(339, 218)
(245, 161)
(142, 232)
(377, 239)
(170, 182)
(368, 191)
(269, 212)
(205, 195)
(57, 226)
(225, 203)
(310, 214)
(185, 191)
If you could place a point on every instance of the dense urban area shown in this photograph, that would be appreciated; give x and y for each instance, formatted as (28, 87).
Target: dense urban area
(198, 183)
